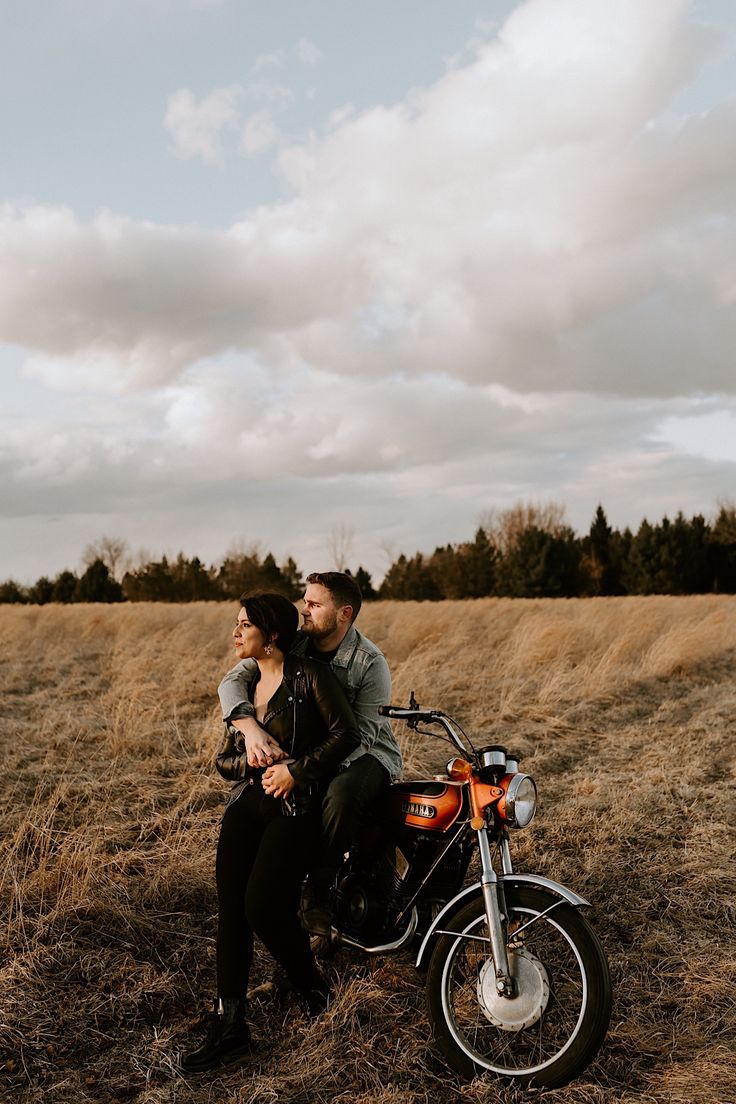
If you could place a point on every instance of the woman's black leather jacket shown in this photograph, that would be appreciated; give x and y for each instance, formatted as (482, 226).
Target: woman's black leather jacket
(310, 718)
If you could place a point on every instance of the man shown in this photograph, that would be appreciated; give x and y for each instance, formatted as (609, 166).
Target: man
(332, 601)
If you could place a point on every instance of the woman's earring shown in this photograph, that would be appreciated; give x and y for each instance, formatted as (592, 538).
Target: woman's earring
(268, 649)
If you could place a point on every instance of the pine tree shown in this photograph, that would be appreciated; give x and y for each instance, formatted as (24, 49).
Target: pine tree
(601, 563)
(410, 580)
(478, 566)
(365, 582)
(542, 565)
(293, 580)
(65, 586)
(239, 573)
(12, 593)
(41, 592)
(722, 542)
(641, 565)
(97, 585)
(191, 581)
(153, 582)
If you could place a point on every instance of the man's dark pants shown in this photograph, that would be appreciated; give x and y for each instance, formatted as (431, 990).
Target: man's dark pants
(352, 797)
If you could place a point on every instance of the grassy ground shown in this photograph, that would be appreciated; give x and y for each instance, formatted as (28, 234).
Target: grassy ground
(624, 712)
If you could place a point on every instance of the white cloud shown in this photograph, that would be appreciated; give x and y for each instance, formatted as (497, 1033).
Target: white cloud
(259, 133)
(196, 126)
(337, 117)
(414, 462)
(118, 303)
(275, 59)
(707, 433)
(307, 52)
(530, 240)
(273, 92)
(447, 301)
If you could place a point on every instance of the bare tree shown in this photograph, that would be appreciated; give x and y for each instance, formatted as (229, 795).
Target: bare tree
(341, 545)
(114, 553)
(388, 547)
(239, 548)
(139, 559)
(504, 527)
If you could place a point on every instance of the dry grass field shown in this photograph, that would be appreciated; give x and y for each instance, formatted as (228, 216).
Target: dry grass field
(625, 712)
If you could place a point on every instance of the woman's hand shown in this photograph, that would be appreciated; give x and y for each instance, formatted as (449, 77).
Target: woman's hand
(260, 749)
(278, 780)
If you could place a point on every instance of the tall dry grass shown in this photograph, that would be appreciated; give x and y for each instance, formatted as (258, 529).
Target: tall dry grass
(624, 710)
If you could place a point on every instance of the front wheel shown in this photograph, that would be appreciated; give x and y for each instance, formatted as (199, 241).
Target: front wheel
(552, 1028)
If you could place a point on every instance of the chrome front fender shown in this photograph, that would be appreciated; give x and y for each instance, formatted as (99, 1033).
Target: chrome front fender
(535, 881)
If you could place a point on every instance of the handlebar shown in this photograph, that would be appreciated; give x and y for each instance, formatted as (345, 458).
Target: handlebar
(401, 713)
(414, 717)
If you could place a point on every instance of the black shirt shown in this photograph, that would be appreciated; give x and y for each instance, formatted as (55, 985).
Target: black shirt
(321, 657)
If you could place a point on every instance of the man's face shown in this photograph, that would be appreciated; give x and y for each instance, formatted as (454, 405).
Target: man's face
(319, 613)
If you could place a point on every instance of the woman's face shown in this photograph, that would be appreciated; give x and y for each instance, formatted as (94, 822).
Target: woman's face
(248, 640)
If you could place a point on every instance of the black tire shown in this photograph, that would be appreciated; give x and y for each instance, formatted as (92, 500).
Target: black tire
(554, 1029)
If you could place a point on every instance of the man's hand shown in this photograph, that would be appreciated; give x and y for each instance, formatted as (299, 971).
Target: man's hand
(261, 750)
(278, 780)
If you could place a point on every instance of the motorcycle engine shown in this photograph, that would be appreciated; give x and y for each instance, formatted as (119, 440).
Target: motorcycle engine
(368, 895)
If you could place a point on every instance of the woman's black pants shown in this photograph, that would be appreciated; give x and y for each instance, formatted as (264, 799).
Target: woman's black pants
(262, 858)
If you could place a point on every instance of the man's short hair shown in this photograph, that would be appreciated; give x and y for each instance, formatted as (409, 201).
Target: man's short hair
(343, 588)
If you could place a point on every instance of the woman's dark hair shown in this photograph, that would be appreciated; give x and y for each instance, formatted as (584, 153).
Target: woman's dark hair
(274, 615)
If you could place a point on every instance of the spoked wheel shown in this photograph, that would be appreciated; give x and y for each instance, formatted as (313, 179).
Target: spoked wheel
(551, 1029)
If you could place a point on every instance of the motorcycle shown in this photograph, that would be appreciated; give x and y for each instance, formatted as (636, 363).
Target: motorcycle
(517, 982)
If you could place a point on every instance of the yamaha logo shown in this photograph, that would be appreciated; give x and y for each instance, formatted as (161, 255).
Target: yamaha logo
(414, 808)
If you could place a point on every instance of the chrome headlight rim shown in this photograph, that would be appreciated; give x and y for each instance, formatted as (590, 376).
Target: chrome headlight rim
(517, 816)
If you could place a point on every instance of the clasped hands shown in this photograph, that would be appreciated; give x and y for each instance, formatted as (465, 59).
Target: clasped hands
(278, 781)
(262, 751)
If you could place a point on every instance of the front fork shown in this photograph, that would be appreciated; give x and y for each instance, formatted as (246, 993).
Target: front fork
(496, 914)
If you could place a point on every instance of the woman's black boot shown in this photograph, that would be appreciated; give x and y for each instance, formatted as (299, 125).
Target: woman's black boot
(227, 1038)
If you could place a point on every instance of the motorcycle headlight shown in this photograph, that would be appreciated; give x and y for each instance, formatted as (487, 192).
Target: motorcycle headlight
(521, 801)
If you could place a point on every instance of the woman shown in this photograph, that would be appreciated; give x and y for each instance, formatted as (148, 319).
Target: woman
(271, 824)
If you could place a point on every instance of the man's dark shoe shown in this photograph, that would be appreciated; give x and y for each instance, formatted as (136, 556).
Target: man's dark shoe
(317, 999)
(315, 911)
(227, 1038)
(317, 920)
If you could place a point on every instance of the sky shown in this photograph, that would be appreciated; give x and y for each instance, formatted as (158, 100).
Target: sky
(275, 272)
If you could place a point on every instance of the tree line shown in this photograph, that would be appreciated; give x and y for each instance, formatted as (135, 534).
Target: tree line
(528, 551)
(177, 579)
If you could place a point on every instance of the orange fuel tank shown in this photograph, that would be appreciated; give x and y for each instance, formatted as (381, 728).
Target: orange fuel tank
(430, 805)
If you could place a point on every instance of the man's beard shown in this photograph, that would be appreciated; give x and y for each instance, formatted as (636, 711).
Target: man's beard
(310, 629)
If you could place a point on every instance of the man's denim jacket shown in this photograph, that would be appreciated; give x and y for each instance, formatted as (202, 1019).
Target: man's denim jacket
(361, 669)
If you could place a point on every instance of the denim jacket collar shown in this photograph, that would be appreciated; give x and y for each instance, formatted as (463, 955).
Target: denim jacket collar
(344, 653)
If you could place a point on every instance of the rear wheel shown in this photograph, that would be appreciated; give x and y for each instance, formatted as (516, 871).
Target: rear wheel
(552, 1028)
